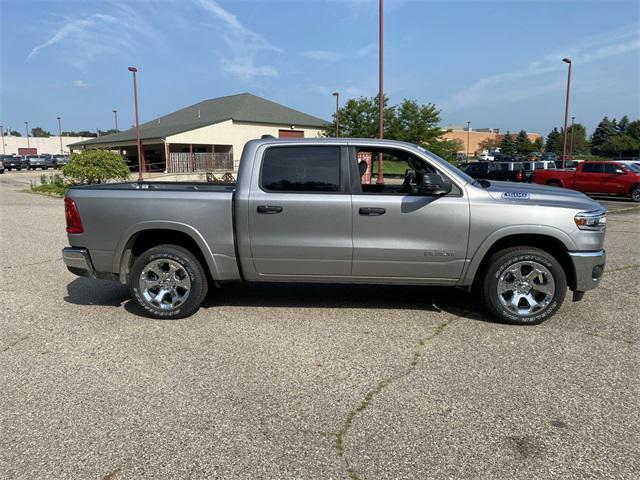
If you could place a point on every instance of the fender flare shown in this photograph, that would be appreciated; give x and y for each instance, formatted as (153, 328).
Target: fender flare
(165, 225)
(478, 256)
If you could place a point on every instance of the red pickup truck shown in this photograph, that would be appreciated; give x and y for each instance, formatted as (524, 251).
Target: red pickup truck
(608, 178)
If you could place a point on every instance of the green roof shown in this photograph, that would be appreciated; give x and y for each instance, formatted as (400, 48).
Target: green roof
(243, 107)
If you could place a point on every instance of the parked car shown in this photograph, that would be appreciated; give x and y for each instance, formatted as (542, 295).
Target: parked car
(505, 171)
(486, 157)
(1, 167)
(608, 178)
(549, 156)
(13, 162)
(300, 212)
(36, 161)
(60, 160)
(49, 160)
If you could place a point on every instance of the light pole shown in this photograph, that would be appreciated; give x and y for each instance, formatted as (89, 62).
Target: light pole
(337, 95)
(468, 137)
(2, 135)
(573, 120)
(26, 126)
(566, 111)
(135, 101)
(60, 134)
(380, 180)
(115, 116)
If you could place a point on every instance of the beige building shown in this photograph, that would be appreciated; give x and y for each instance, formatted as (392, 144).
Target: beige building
(37, 145)
(470, 141)
(210, 135)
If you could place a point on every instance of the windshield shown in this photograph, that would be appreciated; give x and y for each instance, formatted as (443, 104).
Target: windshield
(458, 172)
(633, 167)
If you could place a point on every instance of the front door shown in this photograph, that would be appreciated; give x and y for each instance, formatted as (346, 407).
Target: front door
(300, 216)
(399, 233)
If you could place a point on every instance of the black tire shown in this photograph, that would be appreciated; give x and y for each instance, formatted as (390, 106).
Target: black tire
(499, 268)
(634, 194)
(191, 266)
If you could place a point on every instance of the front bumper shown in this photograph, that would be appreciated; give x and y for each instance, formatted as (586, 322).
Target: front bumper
(78, 261)
(589, 269)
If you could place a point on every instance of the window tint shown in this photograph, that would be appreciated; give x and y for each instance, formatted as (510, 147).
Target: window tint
(592, 168)
(504, 167)
(301, 169)
(612, 168)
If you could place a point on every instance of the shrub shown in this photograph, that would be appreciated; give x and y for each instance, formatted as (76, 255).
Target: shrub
(95, 166)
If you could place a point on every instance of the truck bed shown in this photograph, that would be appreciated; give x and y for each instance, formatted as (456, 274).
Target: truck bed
(112, 213)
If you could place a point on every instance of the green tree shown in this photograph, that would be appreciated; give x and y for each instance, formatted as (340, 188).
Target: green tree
(522, 143)
(554, 142)
(408, 122)
(623, 125)
(15, 133)
(507, 145)
(620, 145)
(633, 129)
(39, 132)
(95, 166)
(538, 144)
(603, 132)
(577, 137)
(489, 144)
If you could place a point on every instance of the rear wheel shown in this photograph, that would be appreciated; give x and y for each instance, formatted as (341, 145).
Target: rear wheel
(523, 285)
(168, 281)
(635, 193)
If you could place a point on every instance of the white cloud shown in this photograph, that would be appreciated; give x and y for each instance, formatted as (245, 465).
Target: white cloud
(323, 55)
(542, 76)
(367, 50)
(80, 84)
(243, 44)
(83, 39)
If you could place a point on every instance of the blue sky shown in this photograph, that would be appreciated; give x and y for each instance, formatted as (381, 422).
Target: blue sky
(497, 64)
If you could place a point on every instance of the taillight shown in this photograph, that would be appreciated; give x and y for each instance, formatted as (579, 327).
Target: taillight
(74, 225)
(519, 175)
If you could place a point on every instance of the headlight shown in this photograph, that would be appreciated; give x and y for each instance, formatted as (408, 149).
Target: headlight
(596, 220)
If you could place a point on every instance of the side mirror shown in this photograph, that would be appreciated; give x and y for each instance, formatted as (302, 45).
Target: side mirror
(434, 184)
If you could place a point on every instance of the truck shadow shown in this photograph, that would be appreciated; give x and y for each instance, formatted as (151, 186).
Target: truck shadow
(83, 291)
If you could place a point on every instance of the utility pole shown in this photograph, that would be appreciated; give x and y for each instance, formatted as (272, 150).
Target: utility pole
(566, 111)
(60, 134)
(115, 116)
(26, 126)
(380, 180)
(4, 151)
(468, 137)
(138, 141)
(573, 119)
(337, 95)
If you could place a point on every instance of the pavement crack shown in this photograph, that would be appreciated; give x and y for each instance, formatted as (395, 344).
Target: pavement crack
(341, 434)
(14, 343)
(620, 269)
(31, 264)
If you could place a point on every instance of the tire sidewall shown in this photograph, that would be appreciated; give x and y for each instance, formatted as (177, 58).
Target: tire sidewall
(635, 194)
(190, 265)
(502, 263)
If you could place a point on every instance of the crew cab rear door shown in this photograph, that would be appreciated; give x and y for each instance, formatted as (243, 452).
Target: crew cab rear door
(300, 212)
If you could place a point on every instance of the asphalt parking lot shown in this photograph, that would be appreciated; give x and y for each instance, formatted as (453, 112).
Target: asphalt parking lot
(308, 381)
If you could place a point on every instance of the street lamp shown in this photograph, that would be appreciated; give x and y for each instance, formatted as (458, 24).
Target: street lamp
(380, 179)
(115, 116)
(573, 119)
(2, 135)
(135, 101)
(337, 95)
(468, 137)
(60, 134)
(26, 126)
(566, 111)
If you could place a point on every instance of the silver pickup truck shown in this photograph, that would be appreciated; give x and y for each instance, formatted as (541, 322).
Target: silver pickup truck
(339, 210)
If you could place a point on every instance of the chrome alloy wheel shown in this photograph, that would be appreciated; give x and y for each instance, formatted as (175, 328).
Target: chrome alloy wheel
(525, 288)
(164, 284)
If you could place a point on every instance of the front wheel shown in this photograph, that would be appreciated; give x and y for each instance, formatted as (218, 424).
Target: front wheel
(635, 194)
(168, 281)
(523, 285)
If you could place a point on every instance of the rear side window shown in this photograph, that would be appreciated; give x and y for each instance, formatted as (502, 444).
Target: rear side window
(592, 168)
(301, 169)
(612, 168)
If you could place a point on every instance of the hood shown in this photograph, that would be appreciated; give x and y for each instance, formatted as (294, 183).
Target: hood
(534, 194)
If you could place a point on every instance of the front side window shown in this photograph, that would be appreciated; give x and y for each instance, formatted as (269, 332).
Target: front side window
(301, 169)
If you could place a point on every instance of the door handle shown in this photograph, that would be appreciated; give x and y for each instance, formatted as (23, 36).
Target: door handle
(269, 209)
(372, 211)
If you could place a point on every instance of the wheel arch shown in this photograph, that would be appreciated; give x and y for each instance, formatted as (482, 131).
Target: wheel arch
(146, 235)
(553, 242)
